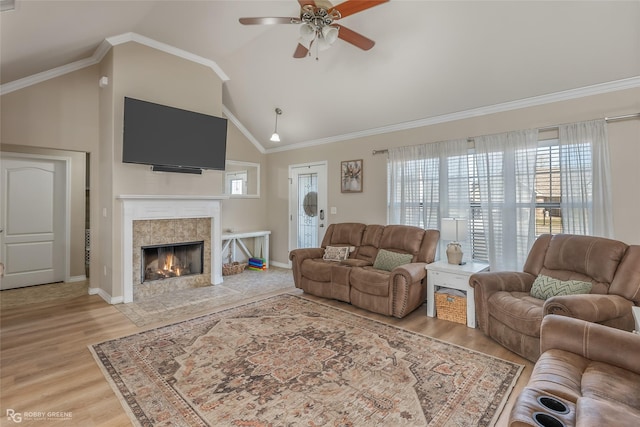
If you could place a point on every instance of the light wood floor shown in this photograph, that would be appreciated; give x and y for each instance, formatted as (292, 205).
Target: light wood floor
(46, 366)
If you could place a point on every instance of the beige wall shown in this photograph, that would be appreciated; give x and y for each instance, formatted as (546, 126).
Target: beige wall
(72, 113)
(59, 114)
(370, 205)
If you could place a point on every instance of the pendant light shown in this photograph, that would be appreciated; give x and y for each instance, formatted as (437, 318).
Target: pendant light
(275, 137)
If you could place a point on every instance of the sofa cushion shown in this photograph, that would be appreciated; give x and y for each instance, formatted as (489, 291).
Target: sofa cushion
(388, 260)
(352, 262)
(370, 281)
(402, 238)
(343, 234)
(595, 257)
(519, 310)
(559, 373)
(600, 413)
(317, 269)
(336, 253)
(608, 382)
(545, 287)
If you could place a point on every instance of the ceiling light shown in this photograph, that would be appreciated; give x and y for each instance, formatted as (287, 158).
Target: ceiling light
(317, 26)
(275, 137)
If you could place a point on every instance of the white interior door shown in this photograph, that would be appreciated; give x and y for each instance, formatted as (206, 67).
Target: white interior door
(33, 220)
(307, 205)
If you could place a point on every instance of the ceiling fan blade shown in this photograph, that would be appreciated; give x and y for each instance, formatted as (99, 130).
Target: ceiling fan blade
(303, 3)
(354, 6)
(301, 51)
(269, 21)
(355, 39)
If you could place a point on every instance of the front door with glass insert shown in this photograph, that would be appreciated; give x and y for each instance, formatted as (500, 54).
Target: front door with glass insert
(308, 205)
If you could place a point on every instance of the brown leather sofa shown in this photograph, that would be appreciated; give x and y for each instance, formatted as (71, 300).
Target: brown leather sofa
(355, 280)
(510, 315)
(588, 375)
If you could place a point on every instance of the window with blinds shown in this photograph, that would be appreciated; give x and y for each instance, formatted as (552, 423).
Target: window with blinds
(427, 184)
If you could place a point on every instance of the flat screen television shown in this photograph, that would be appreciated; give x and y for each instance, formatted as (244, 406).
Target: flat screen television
(171, 139)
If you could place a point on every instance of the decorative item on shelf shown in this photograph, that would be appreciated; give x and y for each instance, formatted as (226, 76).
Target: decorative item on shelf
(257, 264)
(454, 230)
(233, 268)
(276, 137)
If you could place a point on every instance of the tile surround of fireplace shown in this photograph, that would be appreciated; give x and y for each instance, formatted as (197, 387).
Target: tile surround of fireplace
(138, 208)
(164, 232)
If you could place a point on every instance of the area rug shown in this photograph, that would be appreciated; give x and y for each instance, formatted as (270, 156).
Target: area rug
(289, 361)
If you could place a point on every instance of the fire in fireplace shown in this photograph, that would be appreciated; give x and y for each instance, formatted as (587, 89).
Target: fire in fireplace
(171, 260)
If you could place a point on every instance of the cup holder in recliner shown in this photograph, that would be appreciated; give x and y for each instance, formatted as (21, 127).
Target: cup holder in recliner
(547, 420)
(553, 404)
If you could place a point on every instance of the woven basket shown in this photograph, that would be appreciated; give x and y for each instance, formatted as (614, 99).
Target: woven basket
(451, 307)
(233, 268)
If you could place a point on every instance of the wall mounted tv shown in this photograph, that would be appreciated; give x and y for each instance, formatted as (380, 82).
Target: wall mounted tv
(171, 139)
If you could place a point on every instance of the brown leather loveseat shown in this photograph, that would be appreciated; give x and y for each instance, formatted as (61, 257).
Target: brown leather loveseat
(368, 276)
(588, 375)
(508, 313)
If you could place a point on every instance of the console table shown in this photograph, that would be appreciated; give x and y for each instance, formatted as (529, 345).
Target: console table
(260, 247)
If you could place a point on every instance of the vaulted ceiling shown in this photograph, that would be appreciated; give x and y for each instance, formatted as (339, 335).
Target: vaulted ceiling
(432, 59)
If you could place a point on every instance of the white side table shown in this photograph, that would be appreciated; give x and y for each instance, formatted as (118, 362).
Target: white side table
(441, 274)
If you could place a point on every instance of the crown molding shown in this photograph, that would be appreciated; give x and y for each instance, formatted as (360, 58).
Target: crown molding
(134, 37)
(99, 54)
(597, 89)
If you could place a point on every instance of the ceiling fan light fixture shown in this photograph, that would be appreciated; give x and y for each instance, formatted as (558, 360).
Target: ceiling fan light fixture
(330, 34)
(307, 32)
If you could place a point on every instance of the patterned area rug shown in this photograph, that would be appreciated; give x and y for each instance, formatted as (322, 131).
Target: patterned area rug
(290, 361)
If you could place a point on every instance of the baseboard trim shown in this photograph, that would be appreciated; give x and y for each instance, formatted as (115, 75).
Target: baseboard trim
(280, 264)
(105, 296)
(73, 279)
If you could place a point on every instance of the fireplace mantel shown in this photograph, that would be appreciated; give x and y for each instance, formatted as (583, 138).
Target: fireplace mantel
(146, 207)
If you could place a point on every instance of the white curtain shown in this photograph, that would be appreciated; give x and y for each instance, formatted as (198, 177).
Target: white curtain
(428, 182)
(585, 179)
(505, 167)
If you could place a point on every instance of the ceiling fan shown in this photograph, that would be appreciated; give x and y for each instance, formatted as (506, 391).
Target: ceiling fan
(318, 25)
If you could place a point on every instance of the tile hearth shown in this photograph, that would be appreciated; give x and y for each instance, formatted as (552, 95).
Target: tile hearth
(175, 305)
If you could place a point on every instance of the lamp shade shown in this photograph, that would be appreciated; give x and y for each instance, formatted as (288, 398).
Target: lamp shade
(307, 32)
(454, 229)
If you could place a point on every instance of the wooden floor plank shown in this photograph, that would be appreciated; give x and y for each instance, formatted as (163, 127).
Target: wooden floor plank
(46, 365)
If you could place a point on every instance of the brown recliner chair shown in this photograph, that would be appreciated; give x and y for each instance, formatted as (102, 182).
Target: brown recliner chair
(587, 375)
(510, 315)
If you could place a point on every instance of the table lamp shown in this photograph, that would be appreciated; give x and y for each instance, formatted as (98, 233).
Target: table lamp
(454, 230)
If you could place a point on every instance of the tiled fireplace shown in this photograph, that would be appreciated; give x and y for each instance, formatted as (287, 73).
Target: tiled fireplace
(170, 254)
(162, 221)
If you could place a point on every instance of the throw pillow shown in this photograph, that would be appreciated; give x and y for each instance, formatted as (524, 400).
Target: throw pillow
(545, 287)
(336, 253)
(387, 260)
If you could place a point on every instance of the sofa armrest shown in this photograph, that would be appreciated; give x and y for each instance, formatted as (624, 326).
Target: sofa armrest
(595, 308)
(591, 341)
(413, 272)
(297, 257)
(487, 283)
(408, 287)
